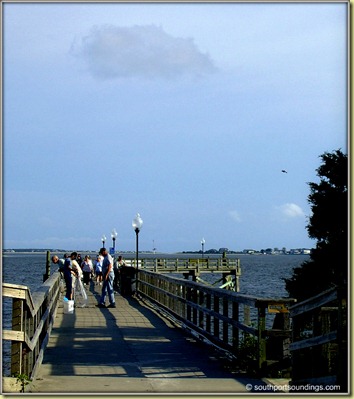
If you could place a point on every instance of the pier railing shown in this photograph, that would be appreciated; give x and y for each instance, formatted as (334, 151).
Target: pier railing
(230, 269)
(214, 313)
(32, 321)
(320, 343)
(175, 265)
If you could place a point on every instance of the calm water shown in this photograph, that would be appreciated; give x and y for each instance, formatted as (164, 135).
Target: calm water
(261, 276)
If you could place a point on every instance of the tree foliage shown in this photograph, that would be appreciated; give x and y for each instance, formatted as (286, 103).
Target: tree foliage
(328, 224)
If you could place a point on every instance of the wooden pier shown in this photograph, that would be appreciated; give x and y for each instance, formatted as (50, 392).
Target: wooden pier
(129, 349)
(173, 336)
(229, 269)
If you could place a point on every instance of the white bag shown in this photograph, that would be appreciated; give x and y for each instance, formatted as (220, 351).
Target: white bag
(80, 294)
(68, 306)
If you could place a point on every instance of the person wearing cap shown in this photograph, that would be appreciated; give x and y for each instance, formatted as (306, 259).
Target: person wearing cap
(108, 277)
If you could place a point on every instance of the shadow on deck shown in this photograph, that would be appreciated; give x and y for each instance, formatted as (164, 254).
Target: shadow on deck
(129, 349)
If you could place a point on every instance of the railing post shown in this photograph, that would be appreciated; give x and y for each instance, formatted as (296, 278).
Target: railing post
(261, 339)
(237, 275)
(246, 315)
(225, 325)
(183, 294)
(195, 311)
(235, 331)
(188, 298)
(208, 317)
(201, 313)
(342, 339)
(216, 320)
(155, 265)
(17, 346)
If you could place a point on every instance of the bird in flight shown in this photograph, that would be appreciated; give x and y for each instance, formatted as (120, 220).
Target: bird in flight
(284, 171)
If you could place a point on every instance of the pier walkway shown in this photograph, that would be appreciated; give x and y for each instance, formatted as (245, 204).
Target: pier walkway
(129, 349)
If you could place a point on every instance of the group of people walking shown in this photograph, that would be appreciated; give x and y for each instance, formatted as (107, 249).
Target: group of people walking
(104, 270)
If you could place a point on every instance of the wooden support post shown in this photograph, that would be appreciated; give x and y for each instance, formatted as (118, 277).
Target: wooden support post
(295, 356)
(195, 311)
(246, 315)
(195, 274)
(342, 339)
(188, 298)
(183, 293)
(31, 328)
(261, 339)
(47, 268)
(17, 346)
(225, 325)
(155, 266)
(237, 283)
(201, 314)
(237, 276)
(216, 320)
(208, 317)
(235, 331)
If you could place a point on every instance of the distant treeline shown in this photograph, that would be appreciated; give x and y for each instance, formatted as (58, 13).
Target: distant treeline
(222, 251)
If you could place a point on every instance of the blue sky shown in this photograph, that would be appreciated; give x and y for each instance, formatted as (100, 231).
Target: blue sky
(185, 113)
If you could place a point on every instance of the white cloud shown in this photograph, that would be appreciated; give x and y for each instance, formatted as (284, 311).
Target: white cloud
(235, 216)
(141, 51)
(290, 210)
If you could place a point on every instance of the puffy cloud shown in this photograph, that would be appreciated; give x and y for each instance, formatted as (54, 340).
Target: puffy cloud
(141, 51)
(235, 216)
(291, 210)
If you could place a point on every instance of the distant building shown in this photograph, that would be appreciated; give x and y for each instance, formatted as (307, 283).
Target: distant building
(306, 251)
(300, 251)
(248, 251)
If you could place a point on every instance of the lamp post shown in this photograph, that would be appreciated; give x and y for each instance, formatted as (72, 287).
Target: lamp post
(103, 240)
(114, 236)
(202, 242)
(137, 225)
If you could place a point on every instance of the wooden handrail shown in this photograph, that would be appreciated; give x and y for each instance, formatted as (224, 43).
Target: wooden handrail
(167, 265)
(31, 323)
(198, 307)
(314, 302)
(319, 343)
(19, 292)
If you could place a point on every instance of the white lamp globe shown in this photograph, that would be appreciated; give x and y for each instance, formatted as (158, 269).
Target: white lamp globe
(137, 222)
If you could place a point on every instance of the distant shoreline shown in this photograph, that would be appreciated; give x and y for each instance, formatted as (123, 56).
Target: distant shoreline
(42, 252)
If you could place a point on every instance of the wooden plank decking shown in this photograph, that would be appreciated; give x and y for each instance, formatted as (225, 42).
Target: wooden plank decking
(129, 349)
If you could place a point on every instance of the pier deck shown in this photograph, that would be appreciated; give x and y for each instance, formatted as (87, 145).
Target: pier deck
(129, 349)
